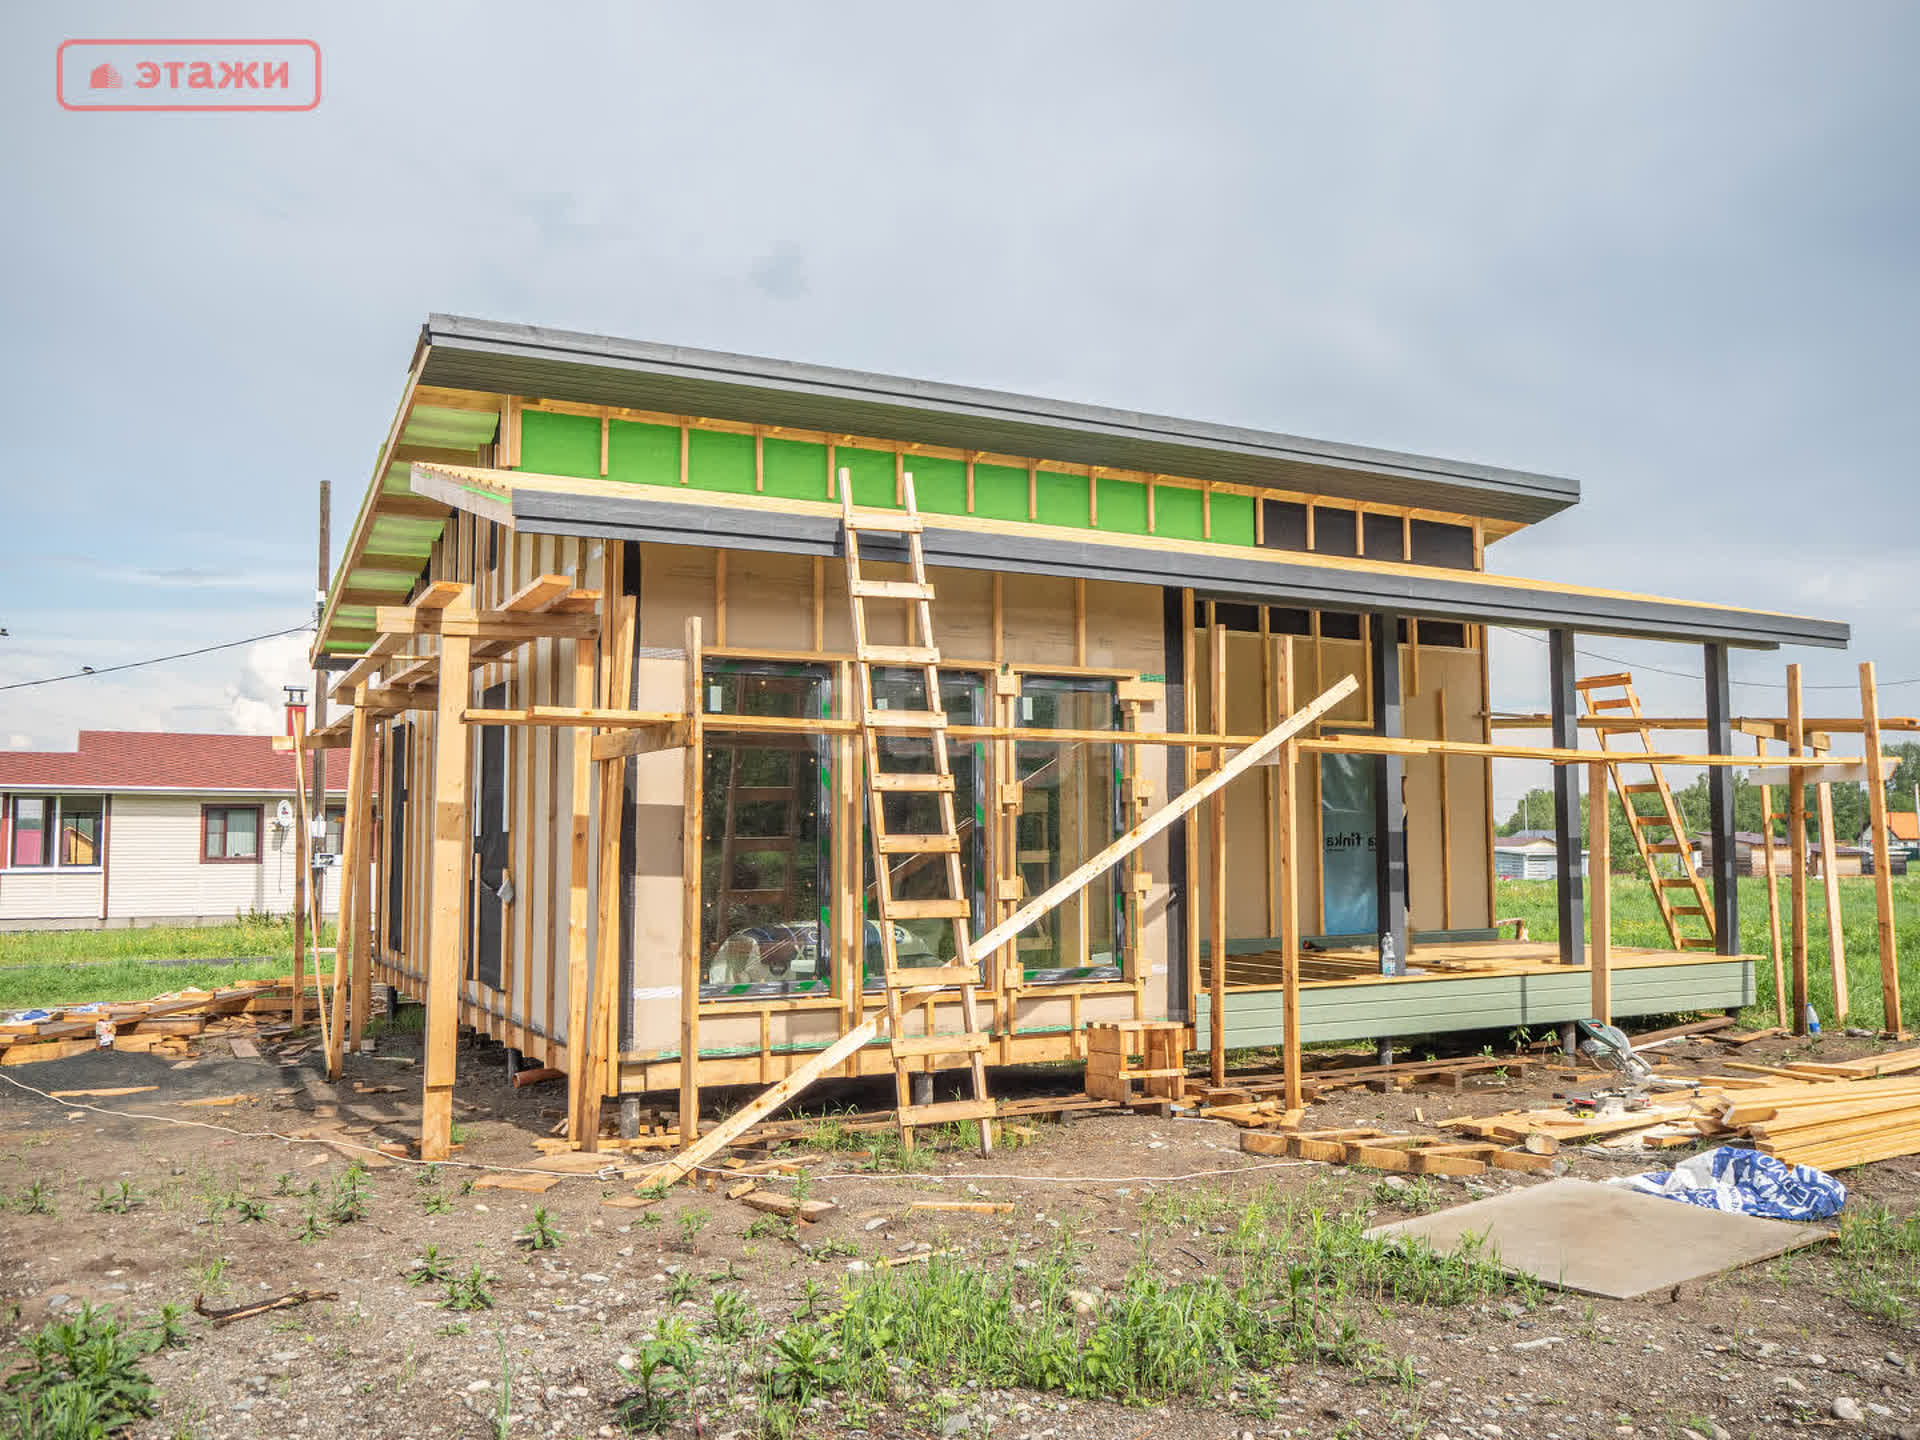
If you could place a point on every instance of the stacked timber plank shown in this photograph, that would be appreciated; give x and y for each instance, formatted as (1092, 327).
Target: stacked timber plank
(162, 1026)
(1400, 1152)
(1830, 1117)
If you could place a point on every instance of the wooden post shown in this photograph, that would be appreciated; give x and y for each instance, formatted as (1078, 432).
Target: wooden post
(579, 918)
(1830, 883)
(446, 935)
(1217, 879)
(1882, 855)
(299, 1017)
(1600, 890)
(350, 921)
(1797, 851)
(690, 861)
(1773, 896)
(616, 654)
(1288, 772)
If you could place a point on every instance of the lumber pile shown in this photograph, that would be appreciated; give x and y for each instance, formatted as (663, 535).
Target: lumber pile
(1404, 1153)
(249, 1009)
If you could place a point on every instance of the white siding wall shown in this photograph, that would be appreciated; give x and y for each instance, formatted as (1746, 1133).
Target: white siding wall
(35, 894)
(155, 871)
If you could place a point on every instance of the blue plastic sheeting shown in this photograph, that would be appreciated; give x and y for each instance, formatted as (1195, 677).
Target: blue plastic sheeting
(1747, 1182)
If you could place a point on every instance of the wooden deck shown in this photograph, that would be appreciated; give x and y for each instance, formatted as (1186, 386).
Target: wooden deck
(1470, 985)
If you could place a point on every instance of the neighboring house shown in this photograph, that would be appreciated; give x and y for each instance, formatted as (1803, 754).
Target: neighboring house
(136, 827)
(1749, 852)
(1905, 828)
(1527, 855)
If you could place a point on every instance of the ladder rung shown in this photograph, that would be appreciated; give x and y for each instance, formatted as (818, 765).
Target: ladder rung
(929, 909)
(947, 1112)
(1642, 789)
(897, 522)
(1667, 847)
(916, 720)
(891, 590)
(934, 843)
(1673, 882)
(1686, 910)
(1605, 682)
(932, 977)
(910, 780)
(1624, 704)
(909, 1045)
(899, 654)
(1651, 820)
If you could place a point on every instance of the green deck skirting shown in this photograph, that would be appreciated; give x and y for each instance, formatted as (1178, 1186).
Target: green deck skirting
(1375, 1010)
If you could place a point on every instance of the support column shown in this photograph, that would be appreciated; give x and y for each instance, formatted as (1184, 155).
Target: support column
(1720, 823)
(1566, 798)
(692, 850)
(1797, 850)
(1600, 877)
(1389, 798)
(1882, 856)
(350, 916)
(1217, 858)
(452, 844)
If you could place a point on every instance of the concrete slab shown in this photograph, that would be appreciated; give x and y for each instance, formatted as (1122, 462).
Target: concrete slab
(1607, 1240)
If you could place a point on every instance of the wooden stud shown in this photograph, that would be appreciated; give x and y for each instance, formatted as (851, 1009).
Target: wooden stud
(1206, 512)
(1445, 763)
(1269, 776)
(819, 603)
(720, 598)
(1893, 1022)
(759, 460)
(1217, 877)
(1599, 889)
(300, 870)
(691, 859)
(446, 937)
(686, 448)
(1079, 620)
(1288, 776)
(972, 455)
(1797, 850)
(350, 939)
(1033, 490)
(579, 918)
(1830, 878)
(1093, 499)
(606, 425)
(1773, 895)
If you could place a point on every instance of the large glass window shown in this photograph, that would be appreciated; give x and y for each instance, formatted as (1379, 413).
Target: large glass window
(924, 876)
(49, 831)
(230, 834)
(31, 822)
(764, 840)
(1069, 812)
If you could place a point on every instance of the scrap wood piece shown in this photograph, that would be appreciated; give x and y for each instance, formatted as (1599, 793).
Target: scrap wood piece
(787, 1207)
(241, 1312)
(216, 1102)
(963, 1207)
(1264, 1114)
(630, 1202)
(101, 1094)
(360, 1089)
(537, 1077)
(244, 1049)
(745, 1187)
(1674, 1032)
(1750, 1036)
(531, 1184)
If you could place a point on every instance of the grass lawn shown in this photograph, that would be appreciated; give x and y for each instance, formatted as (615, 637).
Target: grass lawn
(1636, 922)
(52, 967)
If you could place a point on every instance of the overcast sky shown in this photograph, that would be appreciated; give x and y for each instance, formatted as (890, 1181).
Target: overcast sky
(1673, 251)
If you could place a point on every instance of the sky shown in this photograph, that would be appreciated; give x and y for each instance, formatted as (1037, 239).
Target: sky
(1671, 251)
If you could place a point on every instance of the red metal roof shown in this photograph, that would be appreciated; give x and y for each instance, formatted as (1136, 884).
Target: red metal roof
(158, 760)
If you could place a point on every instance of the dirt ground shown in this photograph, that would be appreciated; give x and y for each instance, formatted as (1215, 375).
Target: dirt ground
(1768, 1350)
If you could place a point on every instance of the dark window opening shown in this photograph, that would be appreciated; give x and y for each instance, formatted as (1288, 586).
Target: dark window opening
(1435, 543)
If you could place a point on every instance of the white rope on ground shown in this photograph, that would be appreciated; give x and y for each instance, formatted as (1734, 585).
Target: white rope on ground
(605, 1173)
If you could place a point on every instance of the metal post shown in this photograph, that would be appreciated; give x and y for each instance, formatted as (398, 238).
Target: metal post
(1726, 888)
(1566, 798)
(1389, 801)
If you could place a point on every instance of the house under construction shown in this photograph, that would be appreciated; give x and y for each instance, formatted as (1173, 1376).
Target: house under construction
(715, 720)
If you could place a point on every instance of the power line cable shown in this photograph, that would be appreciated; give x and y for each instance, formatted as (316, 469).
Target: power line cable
(86, 671)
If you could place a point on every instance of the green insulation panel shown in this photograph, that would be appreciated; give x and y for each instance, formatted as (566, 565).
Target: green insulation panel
(1123, 506)
(1000, 492)
(1232, 519)
(1178, 514)
(720, 460)
(1062, 500)
(939, 486)
(871, 472)
(560, 444)
(639, 454)
(794, 469)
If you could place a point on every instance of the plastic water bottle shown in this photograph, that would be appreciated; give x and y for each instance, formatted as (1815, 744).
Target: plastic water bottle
(1813, 1022)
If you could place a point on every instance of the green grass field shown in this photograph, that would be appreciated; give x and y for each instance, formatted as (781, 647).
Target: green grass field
(53, 967)
(1636, 922)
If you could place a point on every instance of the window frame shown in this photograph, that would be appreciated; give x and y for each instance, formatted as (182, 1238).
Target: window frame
(51, 822)
(259, 835)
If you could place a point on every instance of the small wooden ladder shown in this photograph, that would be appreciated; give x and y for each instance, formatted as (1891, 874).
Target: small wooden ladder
(1606, 695)
(911, 986)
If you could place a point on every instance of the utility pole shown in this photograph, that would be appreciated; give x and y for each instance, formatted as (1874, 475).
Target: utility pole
(318, 808)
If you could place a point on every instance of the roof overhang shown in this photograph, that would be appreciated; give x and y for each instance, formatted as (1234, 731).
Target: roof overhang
(561, 505)
(487, 355)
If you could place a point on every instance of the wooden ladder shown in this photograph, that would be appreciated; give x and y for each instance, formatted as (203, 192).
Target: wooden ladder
(1605, 696)
(911, 985)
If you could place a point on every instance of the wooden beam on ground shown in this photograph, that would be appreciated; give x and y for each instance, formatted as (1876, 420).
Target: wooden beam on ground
(1797, 852)
(1165, 816)
(447, 895)
(1882, 854)
(763, 1105)
(691, 859)
(1600, 890)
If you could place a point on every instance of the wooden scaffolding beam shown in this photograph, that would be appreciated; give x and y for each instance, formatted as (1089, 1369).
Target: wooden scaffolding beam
(1893, 1022)
(447, 894)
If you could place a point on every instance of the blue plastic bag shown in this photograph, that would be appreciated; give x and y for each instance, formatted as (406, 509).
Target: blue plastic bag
(1748, 1183)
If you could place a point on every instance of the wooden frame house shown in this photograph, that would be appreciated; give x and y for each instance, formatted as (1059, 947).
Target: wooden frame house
(609, 762)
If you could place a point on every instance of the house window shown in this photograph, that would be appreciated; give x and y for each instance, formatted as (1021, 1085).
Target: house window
(335, 838)
(230, 833)
(31, 816)
(56, 832)
(765, 837)
(80, 830)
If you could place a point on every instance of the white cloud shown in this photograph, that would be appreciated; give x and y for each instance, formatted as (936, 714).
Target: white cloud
(256, 703)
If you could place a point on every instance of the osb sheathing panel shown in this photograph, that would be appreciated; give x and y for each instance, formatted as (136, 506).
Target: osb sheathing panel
(660, 817)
